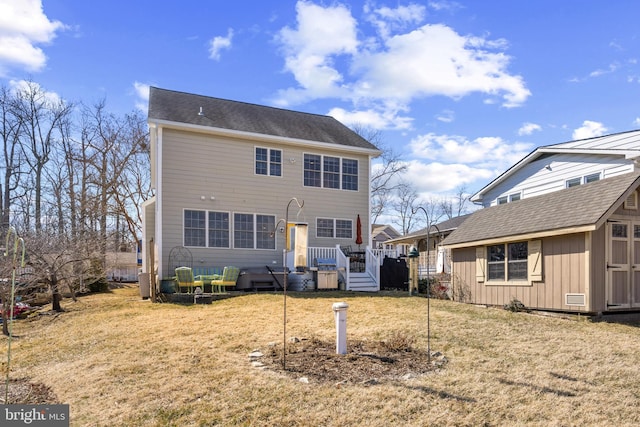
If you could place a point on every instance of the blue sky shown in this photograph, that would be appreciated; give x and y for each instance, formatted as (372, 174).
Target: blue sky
(460, 89)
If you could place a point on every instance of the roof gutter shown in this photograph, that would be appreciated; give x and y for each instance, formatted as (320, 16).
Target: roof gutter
(261, 137)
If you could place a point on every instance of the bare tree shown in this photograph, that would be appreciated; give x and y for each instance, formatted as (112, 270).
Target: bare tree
(452, 207)
(41, 115)
(384, 174)
(404, 202)
(10, 131)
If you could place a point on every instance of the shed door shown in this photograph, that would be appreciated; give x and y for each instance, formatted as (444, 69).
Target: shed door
(623, 264)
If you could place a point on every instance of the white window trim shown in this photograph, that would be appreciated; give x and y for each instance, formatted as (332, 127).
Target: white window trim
(322, 156)
(232, 240)
(334, 229)
(269, 150)
(206, 229)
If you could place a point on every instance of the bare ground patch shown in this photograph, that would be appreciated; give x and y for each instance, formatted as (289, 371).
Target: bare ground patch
(365, 362)
(24, 392)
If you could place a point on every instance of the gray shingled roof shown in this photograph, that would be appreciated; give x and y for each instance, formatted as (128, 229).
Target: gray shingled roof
(181, 107)
(584, 205)
(442, 227)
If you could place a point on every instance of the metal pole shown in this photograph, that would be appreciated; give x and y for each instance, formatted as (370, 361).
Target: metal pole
(284, 269)
(413, 211)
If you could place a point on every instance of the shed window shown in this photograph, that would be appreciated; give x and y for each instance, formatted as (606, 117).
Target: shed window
(507, 262)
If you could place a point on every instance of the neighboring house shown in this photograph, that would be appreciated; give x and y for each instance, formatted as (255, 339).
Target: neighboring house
(437, 258)
(381, 233)
(224, 173)
(556, 167)
(574, 247)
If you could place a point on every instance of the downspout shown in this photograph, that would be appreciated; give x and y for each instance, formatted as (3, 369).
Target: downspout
(158, 233)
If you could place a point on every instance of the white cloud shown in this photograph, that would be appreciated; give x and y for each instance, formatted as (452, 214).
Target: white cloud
(446, 116)
(371, 119)
(386, 19)
(29, 87)
(600, 72)
(142, 93)
(403, 63)
(438, 177)
(636, 122)
(528, 128)
(218, 43)
(589, 129)
(485, 152)
(23, 25)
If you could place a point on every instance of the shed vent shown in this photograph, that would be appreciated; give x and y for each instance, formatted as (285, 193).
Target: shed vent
(574, 299)
(632, 201)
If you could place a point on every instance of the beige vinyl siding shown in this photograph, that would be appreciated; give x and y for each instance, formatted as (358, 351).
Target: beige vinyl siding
(563, 271)
(198, 165)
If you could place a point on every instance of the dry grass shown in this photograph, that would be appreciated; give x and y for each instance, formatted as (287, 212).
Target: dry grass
(118, 360)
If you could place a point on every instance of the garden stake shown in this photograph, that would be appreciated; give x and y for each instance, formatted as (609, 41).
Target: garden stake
(16, 242)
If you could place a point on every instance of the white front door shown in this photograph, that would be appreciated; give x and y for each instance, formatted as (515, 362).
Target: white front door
(623, 264)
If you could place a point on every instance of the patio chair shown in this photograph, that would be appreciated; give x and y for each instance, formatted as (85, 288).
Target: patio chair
(184, 278)
(229, 278)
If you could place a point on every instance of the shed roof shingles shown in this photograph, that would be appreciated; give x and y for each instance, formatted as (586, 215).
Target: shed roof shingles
(574, 207)
(184, 107)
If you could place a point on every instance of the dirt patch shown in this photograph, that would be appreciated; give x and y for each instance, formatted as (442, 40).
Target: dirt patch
(24, 392)
(365, 362)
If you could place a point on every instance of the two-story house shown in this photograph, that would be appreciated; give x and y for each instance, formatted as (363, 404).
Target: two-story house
(560, 231)
(225, 172)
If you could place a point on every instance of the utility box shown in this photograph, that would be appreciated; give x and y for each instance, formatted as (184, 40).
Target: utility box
(327, 274)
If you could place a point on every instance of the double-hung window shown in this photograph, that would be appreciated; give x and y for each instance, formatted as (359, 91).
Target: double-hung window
(330, 172)
(253, 231)
(195, 228)
(213, 229)
(218, 229)
(338, 228)
(268, 161)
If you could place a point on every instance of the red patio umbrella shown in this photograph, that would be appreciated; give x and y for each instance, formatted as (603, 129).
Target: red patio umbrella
(358, 231)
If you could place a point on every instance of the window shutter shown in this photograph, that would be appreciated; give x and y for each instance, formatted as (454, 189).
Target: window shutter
(480, 264)
(535, 260)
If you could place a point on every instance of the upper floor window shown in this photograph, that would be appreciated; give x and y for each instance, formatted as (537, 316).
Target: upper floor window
(506, 199)
(268, 161)
(573, 182)
(330, 172)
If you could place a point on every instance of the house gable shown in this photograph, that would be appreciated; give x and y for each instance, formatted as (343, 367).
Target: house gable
(550, 168)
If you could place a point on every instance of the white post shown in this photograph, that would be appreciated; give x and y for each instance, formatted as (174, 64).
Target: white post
(340, 313)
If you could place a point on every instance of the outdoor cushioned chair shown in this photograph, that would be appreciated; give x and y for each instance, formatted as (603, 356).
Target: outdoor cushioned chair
(184, 277)
(229, 278)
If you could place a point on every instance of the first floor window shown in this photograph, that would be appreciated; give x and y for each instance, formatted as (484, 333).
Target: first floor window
(507, 262)
(219, 229)
(324, 227)
(194, 228)
(338, 228)
(344, 229)
(254, 231)
(265, 226)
